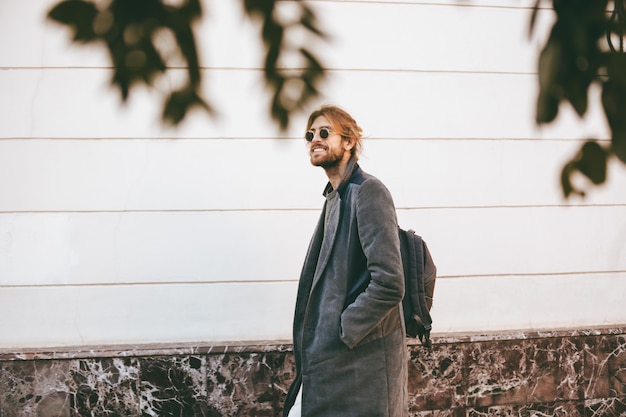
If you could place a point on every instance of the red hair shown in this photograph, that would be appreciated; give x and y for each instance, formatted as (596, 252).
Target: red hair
(342, 123)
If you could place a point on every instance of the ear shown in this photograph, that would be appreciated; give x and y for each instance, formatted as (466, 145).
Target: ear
(349, 144)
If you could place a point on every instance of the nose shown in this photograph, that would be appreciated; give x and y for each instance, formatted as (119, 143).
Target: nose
(317, 137)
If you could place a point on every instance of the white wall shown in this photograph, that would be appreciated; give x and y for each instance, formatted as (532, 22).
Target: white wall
(115, 229)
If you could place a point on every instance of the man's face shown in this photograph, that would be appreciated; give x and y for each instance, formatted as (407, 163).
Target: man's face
(326, 152)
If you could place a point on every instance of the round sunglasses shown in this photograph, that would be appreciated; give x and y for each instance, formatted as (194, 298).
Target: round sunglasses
(310, 134)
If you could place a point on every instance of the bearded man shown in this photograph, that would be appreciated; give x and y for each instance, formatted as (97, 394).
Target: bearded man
(348, 331)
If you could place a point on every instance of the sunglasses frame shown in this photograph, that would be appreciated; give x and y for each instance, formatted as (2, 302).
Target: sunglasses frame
(324, 133)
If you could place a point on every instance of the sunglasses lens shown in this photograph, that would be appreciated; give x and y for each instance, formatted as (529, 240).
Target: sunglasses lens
(309, 136)
(323, 133)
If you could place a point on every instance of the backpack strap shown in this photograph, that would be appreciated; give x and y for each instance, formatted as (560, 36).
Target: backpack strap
(413, 287)
(418, 295)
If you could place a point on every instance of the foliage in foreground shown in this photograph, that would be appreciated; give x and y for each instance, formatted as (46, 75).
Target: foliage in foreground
(585, 48)
(130, 30)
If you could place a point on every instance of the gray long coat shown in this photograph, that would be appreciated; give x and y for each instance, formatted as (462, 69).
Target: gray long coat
(349, 338)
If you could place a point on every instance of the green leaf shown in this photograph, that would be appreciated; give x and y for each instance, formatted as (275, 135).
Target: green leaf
(263, 7)
(592, 162)
(78, 15)
(576, 92)
(313, 63)
(566, 181)
(614, 104)
(123, 79)
(309, 21)
(550, 80)
(533, 17)
(191, 9)
(179, 103)
(547, 108)
(616, 68)
(618, 143)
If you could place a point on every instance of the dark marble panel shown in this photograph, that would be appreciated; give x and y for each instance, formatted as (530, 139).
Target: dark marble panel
(606, 407)
(557, 374)
(145, 350)
(241, 385)
(451, 412)
(436, 379)
(173, 386)
(284, 372)
(526, 371)
(597, 351)
(555, 371)
(556, 409)
(105, 386)
(497, 373)
(454, 412)
(35, 389)
(616, 364)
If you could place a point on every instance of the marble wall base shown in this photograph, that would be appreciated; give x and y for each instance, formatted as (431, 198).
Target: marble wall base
(560, 373)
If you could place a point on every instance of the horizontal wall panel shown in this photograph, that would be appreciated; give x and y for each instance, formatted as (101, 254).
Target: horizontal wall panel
(227, 174)
(540, 302)
(53, 316)
(373, 35)
(433, 37)
(455, 105)
(461, 173)
(537, 240)
(93, 315)
(82, 248)
(76, 103)
(178, 174)
(80, 103)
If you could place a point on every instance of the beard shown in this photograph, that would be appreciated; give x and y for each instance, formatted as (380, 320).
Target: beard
(331, 159)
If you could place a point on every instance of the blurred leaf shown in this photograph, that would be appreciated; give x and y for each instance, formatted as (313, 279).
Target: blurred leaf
(309, 21)
(616, 67)
(77, 14)
(179, 103)
(273, 35)
(127, 27)
(313, 63)
(618, 143)
(566, 181)
(571, 58)
(191, 9)
(591, 161)
(547, 108)
(279, 113)
(569, 63)
(617, 26)
(550, 80)
(614, 104)
(187, 44)
(291, 88)
(576, 92)
(260, 7)
(533, 17)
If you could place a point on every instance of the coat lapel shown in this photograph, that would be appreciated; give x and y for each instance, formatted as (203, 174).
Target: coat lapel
(329, 234)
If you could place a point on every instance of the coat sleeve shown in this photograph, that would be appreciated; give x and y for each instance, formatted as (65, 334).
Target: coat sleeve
(378, 233)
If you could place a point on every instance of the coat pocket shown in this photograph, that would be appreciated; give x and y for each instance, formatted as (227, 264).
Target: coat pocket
(353, 337)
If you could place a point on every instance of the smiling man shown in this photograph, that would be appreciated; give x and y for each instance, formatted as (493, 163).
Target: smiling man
(348, 331)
